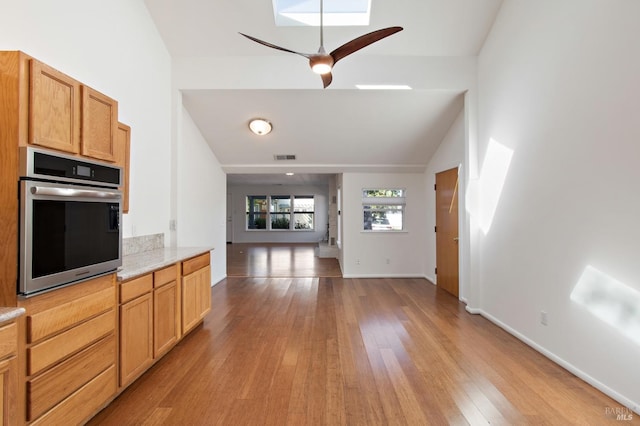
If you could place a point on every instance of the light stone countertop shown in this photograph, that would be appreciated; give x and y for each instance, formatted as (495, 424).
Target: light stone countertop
(134, 265)
(9, 314)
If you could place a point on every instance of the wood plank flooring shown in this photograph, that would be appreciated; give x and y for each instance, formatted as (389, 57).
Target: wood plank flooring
(334, 351)
(278, 260)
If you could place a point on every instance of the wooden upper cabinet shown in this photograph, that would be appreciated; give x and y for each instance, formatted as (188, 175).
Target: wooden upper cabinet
(123, 144)
(54, 109)
(68, 116)
(99, 125)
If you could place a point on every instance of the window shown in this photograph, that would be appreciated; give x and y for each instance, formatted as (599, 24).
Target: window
(256, 212)
(281, 212)
(304, 207)
(383, 209)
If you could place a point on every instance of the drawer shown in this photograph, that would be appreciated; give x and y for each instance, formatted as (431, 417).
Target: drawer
(84, 402)
(195, 263)
(53, 299)
(165, 276)
(131, 289)
(52, 350)
(8, 340)
(54, 320)
(56, 384)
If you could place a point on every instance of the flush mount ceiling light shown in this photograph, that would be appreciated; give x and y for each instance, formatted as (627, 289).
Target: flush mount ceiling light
(260, 126)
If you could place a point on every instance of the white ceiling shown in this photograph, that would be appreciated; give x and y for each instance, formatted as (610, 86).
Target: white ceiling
(227, 80)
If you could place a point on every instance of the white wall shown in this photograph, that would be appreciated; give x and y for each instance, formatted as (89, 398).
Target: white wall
(242, 235)
(559, 85)
(365, 254)
(201, 196)
(450, 154)
(115, 48)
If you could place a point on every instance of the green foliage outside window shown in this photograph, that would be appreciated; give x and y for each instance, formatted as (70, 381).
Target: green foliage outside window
(280, 223)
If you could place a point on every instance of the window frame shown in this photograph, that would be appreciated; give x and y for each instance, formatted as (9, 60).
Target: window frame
(270, 212)
(312, 213)
(250, 213)
(392, 201)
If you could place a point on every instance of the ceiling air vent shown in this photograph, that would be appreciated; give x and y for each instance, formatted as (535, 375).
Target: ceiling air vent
(281, 157)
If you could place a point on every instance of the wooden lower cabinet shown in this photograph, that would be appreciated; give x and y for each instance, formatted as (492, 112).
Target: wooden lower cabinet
(136, 337)
(52, 387)
(149, 321)
(196, 291)
(70, 346)
(165, 313)
(8, 373)
(80, 405)
(8, 370)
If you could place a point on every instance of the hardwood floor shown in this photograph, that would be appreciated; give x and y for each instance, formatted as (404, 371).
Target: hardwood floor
(334, 351)
(278, 260)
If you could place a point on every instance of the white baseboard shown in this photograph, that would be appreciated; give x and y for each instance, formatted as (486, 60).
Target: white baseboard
(634, 406)
(474, 311)
(382, 276)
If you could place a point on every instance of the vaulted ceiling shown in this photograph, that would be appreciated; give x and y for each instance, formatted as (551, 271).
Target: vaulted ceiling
(226, 80)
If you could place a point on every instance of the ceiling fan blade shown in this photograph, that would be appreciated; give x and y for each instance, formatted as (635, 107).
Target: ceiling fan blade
(362, 41)
(326, 79)
(273, 46)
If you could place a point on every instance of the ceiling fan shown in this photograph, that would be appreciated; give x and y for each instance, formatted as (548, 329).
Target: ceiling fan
(323, 62)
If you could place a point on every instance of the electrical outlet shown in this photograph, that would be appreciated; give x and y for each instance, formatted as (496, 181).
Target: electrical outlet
(173, 225)
(543, 318)
(357, 261)
(388, 261)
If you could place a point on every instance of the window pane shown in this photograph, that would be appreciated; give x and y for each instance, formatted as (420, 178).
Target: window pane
(256, 212)
(382, 218)
(304, 203)
(280, 203)
(280, 220)
(304, 208)
(257, 221)
(303, 220)
(280, 211)
(382, 193)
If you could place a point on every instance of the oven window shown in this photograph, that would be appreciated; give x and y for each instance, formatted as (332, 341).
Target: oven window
(73, 234)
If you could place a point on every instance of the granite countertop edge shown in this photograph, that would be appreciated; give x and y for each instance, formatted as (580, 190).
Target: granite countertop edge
(134, 265)
(10, 314)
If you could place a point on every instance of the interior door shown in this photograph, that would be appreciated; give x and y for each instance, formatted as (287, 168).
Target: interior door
(447, 230)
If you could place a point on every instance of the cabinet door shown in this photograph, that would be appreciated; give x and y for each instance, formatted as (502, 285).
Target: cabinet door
(123, 144)
(190, 302)
(196, 297)
(99, 125)
(165, 319)
(54, 109)
(136, 337)
(8, 385)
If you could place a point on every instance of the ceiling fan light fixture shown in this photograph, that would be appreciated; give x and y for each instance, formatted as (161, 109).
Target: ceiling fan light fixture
(321, 64)
(260, 126)
(321, 68)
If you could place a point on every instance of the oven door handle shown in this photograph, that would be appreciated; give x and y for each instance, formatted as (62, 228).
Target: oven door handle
(75, 193)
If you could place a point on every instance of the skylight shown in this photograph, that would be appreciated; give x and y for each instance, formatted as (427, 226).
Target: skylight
(307, 12)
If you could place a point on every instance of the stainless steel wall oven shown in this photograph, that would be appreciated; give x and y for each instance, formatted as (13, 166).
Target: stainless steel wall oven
(70, 213)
